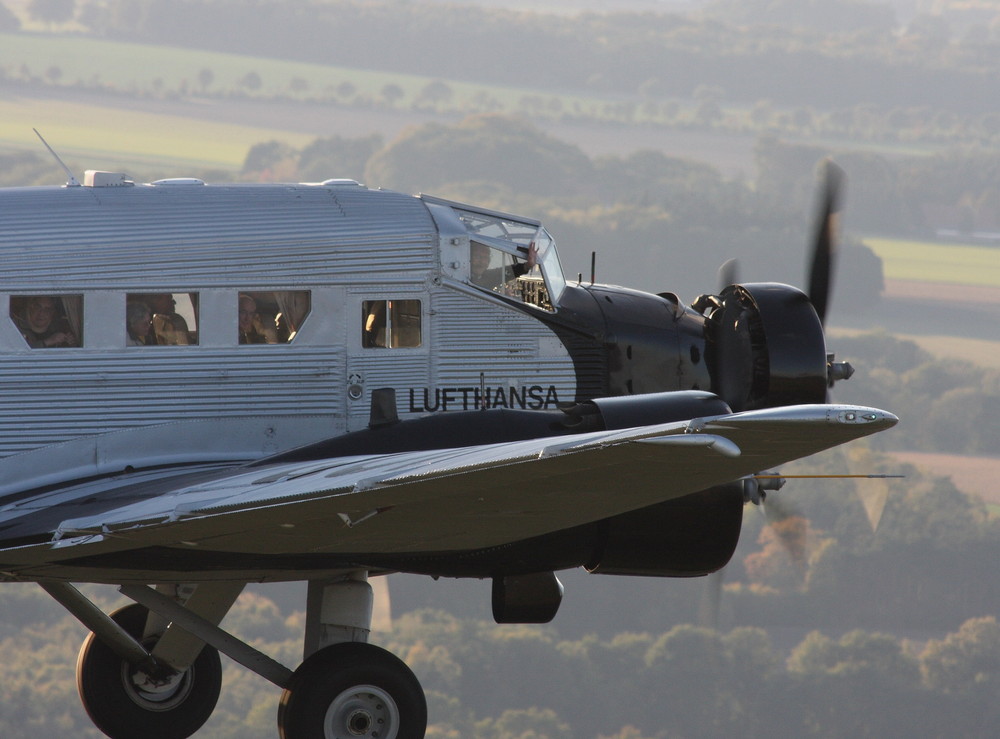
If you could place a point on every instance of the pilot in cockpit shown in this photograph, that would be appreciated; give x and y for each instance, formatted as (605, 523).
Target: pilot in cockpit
(482, 275)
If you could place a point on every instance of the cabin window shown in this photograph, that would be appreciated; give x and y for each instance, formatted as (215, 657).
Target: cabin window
(390, 324)
(161, 319)
(272, 317)
(48, 321)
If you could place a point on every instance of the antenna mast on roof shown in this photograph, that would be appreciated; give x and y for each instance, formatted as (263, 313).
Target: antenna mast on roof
(72, 181)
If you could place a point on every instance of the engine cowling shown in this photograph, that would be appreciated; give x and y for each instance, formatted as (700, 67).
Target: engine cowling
(685, 537)
(765, 347)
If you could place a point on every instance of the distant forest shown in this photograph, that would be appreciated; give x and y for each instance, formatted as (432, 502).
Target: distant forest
(808, 65)
(836, 69)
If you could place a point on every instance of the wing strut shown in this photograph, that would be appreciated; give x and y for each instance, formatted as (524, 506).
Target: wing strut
(229, 645)
(117, 639)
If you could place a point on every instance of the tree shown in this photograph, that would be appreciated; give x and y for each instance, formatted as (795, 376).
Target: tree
(392, 93)
(331, 157)
(861, 685)
(967, 662)
(205, 78)
(264, 156)
(251, 81)
(485, 148)
(435, 93)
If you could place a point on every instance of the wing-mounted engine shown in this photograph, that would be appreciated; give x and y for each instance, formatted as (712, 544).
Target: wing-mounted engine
(764, 342)
(765, 347)
(685, 537)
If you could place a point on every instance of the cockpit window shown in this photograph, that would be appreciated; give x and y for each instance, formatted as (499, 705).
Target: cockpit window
(498, 227)
(48, 321)
(500, 252)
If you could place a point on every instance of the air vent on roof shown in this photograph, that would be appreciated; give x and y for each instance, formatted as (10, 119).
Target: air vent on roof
(172, 181)
(95, 178)
(340, 183)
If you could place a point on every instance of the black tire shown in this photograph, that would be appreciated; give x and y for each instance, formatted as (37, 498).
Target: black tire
(122, 710)
(353, 690)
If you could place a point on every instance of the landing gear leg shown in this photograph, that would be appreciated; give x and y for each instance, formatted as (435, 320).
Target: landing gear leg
(122, 699)
(346, 687)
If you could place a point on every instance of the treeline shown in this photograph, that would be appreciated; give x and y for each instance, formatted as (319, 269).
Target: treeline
(509, 682)
(947, 406)
(691, 681)
(840, 69)
(825, 66)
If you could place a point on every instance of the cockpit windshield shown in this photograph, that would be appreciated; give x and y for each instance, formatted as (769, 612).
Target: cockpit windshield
(514, 258)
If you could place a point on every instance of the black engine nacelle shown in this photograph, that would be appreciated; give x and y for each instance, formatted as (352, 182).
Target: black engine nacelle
(766, 347)
(685, 537)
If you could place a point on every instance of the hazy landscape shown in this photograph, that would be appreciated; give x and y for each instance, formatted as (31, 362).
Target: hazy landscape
(666, 137)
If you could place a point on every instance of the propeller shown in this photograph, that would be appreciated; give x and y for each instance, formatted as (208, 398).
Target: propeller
(825, 241)
(711, 600)
(766, 343)
(729, 273)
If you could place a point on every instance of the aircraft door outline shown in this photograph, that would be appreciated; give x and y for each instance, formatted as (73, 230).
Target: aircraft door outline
(388, 346)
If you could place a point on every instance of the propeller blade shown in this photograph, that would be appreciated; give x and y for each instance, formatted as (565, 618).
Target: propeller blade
(729, 273)
(711, 600)
(381, 604)
(825, 242)
(873, 500)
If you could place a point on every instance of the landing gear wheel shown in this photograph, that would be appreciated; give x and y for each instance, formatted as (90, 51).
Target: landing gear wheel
(353, 690)
(122, 708)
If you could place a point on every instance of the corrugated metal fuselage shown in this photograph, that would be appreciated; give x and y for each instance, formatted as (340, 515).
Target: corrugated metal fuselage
(64, 411)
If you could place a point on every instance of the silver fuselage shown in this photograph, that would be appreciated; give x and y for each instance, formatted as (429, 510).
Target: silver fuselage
(65, 411)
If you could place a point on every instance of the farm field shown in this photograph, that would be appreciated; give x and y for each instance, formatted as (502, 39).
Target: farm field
(934, 262)
(100, 137)
(123, 67)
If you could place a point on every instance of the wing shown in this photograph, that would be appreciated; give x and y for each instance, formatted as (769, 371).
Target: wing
(442, 500)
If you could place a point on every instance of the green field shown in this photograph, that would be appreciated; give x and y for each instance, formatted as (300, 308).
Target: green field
(132, 68)
(161, 70)
(92, 133)
(935, 262)
(120, 73)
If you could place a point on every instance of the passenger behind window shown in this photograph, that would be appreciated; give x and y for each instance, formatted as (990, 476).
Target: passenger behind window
(138, 325)
(40, 320)
(169, 326)
(253, 329)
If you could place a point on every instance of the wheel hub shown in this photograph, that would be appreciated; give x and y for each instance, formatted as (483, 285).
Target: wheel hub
(362, 711)
(359, 722)
(156, 694)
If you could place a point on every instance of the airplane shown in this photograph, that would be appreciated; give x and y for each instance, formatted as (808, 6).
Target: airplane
(210, 385)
